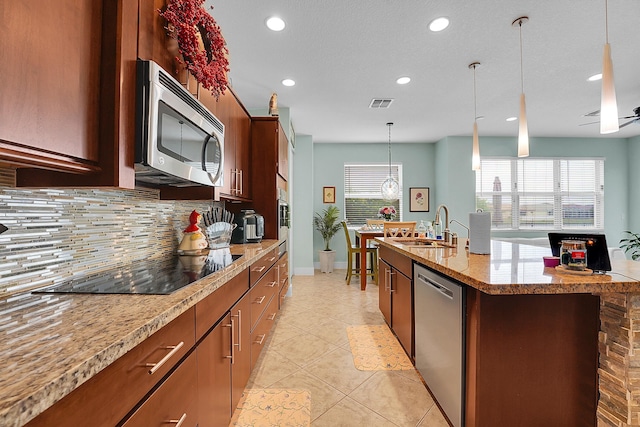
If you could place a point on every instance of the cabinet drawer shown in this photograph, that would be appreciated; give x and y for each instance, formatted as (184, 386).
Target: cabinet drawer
(260, 267)
(213, 307)
(121, 385)
(262, 329)
(398, 261)
(174, 402)
(283, 270)
(261, 294)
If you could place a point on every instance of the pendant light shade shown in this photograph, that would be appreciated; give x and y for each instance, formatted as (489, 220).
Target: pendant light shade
(475, 156)
(523, 130)
(390, 188)
(608, 104)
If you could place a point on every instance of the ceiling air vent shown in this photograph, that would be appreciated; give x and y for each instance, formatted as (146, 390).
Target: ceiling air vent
(380, 103)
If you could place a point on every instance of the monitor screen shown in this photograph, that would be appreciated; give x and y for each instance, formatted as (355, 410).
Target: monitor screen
(597, 251)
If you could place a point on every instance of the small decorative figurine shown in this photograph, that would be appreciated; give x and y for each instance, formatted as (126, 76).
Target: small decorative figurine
(194, 241)
(273, 105)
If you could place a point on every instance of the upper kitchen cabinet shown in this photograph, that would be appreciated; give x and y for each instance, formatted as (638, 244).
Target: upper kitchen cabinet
(68, 71)
(283, 154)
(50, 60)
(268, 134)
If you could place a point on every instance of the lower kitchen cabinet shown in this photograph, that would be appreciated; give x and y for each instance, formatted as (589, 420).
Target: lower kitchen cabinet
(396, 296)
(173, 403)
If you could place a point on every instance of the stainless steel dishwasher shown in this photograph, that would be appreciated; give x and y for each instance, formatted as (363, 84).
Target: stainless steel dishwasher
(439, 339)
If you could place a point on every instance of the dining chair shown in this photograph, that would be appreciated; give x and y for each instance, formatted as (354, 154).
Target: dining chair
(372, 256)
(399, 229)
(375, 224)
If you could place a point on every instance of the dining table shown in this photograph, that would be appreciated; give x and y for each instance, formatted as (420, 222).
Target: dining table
(362, 236)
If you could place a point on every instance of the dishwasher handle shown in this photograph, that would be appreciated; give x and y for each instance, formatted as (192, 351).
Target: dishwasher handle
(440, 288)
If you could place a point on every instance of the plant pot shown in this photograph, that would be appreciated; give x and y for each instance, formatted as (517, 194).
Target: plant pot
(327, 259)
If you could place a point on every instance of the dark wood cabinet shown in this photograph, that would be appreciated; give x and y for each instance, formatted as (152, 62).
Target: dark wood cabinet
(51, 74)
(283, 154)
(396, 296)
(266, 135)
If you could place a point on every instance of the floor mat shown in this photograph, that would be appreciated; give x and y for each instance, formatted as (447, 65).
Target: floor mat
(273, 407)
(375, 348)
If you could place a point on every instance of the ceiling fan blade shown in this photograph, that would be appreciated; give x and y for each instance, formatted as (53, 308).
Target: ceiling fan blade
(590, 123)
(628, 117)
(628, 123)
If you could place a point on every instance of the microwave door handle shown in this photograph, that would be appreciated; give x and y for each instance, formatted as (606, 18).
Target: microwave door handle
(204, 158)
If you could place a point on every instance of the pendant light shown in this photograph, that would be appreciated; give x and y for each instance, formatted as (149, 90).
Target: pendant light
(390, 188)
(523, 131)
(475, 157)
(608, 104)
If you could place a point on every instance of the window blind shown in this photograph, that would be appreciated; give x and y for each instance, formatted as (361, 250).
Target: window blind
(362, 194)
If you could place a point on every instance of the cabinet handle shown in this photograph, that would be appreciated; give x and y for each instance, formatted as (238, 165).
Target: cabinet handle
(155, 366)
(272, 259)
(271, 285)
(260, 299)
(258, 269)
(259, 339)
(231, 325)
(387, 279)
(179, 422)
(239, 316)
(271, 316)
(241, 191)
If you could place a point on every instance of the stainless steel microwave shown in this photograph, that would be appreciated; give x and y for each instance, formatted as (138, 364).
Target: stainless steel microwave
(178, 141)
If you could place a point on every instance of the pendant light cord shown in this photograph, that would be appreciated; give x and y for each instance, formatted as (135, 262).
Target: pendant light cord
(521, 66)
(606, 21)
(389, 125)
(475, 106)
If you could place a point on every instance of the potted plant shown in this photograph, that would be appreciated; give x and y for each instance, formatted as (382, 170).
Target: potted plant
(328, 225)
(631, 245)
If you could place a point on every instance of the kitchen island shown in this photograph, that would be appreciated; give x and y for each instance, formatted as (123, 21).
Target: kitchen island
(540, 344)
(52, 344)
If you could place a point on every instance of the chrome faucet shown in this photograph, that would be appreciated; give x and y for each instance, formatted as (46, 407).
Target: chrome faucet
(446, 234)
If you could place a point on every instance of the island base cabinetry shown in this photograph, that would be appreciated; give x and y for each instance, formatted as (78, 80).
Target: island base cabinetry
(531, 360)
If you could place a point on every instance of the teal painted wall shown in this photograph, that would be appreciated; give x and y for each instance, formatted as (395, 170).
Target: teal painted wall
(634, 184)
(328, 170)
(301, 255)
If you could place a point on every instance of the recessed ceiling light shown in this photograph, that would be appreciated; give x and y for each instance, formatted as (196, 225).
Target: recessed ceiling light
(595, 77)
(512, 119)
(403, 80)
(275, 24)
(439, 24)
(288, 82)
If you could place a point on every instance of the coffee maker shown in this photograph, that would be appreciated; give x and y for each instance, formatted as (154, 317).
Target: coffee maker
(250, 227)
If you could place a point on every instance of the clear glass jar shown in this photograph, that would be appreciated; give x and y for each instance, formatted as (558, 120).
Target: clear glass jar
(573, 254)
(421, 230)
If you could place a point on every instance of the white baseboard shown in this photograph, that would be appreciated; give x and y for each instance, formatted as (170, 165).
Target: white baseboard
(303, 271)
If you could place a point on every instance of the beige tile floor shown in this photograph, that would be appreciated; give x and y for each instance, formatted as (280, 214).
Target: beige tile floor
(308, 349)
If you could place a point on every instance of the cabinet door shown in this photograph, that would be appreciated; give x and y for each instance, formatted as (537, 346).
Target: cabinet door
(384, 289)
(174, 402)
(283, 154)
(242, 146)
(49, 108)
(214, 376)
(241, 363)
(401, 310)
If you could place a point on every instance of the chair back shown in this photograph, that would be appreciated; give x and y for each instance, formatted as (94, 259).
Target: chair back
(375, 224)
(399, 229)
(346, 235)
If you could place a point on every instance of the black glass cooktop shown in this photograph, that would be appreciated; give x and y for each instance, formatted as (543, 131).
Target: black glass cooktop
(148, 277)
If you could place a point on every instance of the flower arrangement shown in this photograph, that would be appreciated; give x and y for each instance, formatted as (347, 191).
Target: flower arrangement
(186, 19)
(387, 212)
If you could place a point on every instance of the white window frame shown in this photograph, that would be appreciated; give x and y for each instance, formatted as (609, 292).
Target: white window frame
(557, 193)
(375, 191)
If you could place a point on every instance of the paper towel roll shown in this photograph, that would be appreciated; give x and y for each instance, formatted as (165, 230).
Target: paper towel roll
(480, 233)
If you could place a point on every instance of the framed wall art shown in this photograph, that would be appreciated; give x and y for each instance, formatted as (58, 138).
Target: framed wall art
(328, 194)
(419, 199)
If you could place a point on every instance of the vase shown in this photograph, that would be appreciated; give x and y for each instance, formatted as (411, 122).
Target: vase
(327, 259)
(388, 218)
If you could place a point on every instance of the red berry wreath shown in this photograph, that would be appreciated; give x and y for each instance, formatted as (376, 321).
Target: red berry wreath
(187, 18)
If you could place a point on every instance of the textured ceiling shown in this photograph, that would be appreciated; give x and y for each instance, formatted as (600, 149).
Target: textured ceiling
(342, 54)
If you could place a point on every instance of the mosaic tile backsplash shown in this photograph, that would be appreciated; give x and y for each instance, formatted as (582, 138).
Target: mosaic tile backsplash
(55, 234)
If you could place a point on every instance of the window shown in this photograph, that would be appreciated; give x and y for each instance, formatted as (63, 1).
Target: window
(362, 196)
(542, 194)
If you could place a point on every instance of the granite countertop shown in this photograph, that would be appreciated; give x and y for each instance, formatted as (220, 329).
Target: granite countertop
(52, 343)
(514, 268)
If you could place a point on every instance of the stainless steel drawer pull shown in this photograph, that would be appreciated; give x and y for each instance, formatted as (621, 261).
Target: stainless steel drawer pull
(155, 366)
(179, 422)
(271, 316)
(272, 259)
(260, 300)
(258, 269)
(259, 339)
(232, 326)
(239, 316)
(271, 285)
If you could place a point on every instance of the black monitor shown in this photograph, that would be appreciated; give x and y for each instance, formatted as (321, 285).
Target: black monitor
(597, 250)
